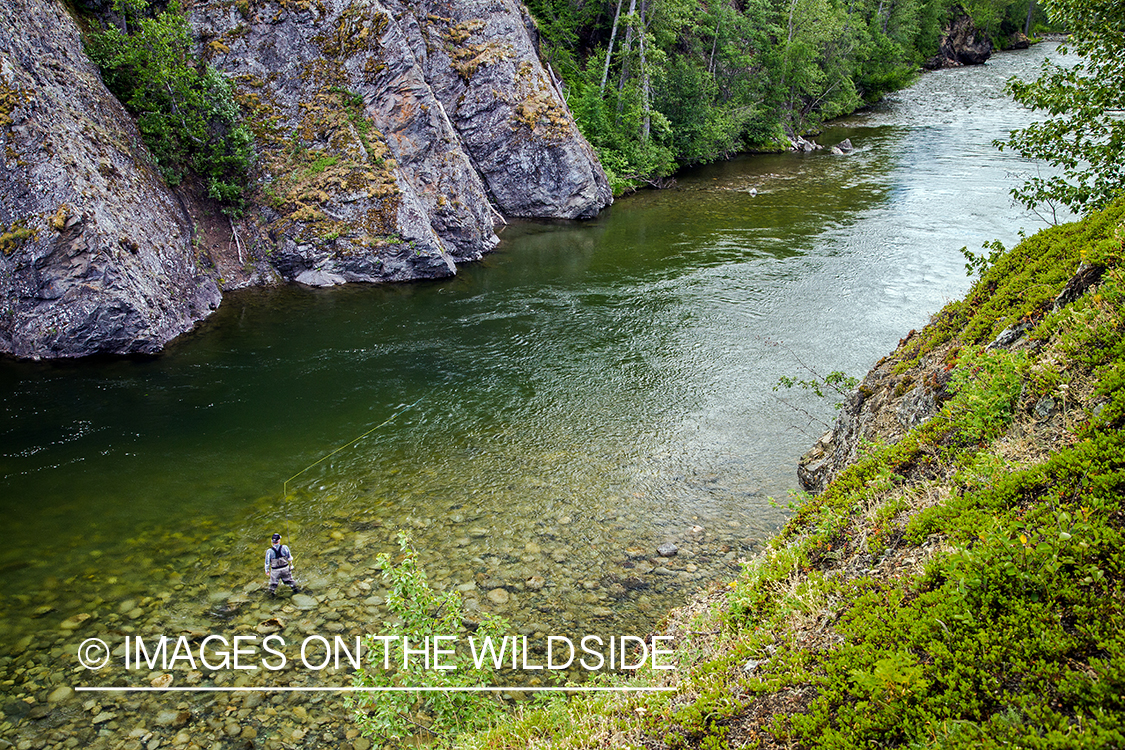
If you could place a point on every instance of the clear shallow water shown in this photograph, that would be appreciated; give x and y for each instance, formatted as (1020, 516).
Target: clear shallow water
(592, 390)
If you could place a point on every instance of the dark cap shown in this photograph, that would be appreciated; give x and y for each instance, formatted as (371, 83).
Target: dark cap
(277, 537)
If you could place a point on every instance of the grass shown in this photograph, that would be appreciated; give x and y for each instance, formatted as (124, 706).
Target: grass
(959, 587)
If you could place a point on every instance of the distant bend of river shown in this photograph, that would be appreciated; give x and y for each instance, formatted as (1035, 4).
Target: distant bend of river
(545, 420)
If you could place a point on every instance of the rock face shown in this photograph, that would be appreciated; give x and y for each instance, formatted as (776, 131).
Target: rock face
(882, 409)
(391, 136)
(481, 61)
(97, 252)
(961, 44)
(386, 127)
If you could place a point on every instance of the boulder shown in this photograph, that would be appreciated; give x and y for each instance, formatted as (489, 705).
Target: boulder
(961, 44)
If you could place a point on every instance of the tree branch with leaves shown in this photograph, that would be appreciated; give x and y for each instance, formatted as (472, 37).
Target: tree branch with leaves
(1084, 135)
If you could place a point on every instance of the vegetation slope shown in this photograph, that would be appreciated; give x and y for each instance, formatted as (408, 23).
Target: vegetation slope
(960, 586)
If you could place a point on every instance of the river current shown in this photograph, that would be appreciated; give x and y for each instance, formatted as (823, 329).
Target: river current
(539, 424)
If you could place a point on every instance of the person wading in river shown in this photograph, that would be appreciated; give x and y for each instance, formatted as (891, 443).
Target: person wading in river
(279, 563)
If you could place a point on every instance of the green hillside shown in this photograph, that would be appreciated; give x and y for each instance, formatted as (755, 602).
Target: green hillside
(959, 586)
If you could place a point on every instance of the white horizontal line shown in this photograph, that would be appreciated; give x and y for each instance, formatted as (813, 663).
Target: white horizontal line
(285, 689)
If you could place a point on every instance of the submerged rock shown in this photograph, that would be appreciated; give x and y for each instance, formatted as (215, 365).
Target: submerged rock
(272, 625)
(304, 602)
(172, 718)
(75, 622)
(61, 694)
(162, 680)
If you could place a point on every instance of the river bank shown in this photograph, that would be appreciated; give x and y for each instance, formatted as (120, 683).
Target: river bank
(959, 579)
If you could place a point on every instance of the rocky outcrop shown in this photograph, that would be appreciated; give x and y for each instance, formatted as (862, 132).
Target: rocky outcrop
(391, 138)
(482, 64)
(361, 177)
(894, 399)
(395, 135)
(884, 407)
(97, 252)
(961, 44)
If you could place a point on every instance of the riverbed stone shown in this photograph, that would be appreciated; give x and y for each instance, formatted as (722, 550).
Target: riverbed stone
(272, 625)
(75, 622)
(172, 718)
(304, 602)
(667, 549)
(61, 694)
(499, 596)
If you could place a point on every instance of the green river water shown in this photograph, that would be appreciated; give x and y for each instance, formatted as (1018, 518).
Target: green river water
(585, 394)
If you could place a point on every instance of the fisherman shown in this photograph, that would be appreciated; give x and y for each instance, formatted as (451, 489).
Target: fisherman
(279, 563)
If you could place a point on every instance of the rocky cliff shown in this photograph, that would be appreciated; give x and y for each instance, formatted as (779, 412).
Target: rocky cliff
(892, 399)
(885, 406)
(962, 43)
(391, 139)
(97, 253)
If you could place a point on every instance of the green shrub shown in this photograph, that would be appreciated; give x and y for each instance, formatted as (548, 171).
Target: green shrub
(439, 715)
(185, 109)
(987, 385)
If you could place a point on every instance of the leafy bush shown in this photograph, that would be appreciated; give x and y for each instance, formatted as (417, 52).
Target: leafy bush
(987, 384)
(185, 109)
(1084, 135)
(423, 614)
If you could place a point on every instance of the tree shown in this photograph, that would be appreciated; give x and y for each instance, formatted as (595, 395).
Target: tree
(185, 109)
(1084, 138)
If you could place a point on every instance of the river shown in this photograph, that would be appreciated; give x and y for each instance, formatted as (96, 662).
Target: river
(539, 424)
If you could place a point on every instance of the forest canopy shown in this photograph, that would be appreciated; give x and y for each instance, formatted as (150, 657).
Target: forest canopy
(660, 84)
